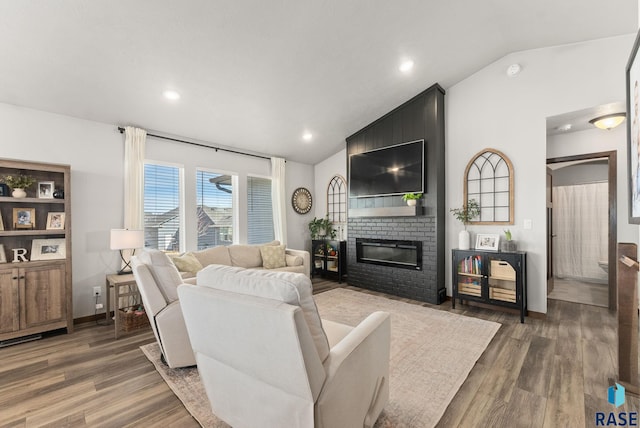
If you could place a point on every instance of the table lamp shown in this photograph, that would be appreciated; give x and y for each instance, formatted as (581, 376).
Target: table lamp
(125, 239)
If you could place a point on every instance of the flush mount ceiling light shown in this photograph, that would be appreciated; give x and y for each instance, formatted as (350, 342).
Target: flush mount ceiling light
(307, 136)
(171, 95)
(608, 121)
(406, 66)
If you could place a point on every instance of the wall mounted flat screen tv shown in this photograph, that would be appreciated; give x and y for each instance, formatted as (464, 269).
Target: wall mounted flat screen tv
(392, 170)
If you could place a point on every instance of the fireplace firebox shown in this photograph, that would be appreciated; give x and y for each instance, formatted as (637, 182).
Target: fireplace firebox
(388, 252)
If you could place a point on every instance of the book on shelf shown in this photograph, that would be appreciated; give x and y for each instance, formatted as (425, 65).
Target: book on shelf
(471, 264)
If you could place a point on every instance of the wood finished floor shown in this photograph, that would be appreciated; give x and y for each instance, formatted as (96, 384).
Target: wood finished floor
(588, 293)
(544, 373)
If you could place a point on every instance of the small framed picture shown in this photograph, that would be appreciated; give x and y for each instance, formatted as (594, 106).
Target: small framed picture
(55, 221)
(485, 241)
(45, 189)
(24, 218)
(48, 249)
(3, 256)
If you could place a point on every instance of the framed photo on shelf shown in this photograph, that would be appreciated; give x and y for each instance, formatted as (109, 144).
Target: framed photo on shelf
(486, 241)
(55, 221)
(24, 218)
(45, 189)
(48, 249)
(3, 256)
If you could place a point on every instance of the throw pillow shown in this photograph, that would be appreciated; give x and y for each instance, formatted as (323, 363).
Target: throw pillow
(273, 256)
(186, 263)
(293, 260)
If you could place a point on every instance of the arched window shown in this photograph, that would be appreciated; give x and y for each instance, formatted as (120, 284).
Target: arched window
(337, 199)
(489, 181)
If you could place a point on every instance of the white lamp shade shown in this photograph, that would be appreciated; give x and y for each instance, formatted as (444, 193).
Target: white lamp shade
(125, 239)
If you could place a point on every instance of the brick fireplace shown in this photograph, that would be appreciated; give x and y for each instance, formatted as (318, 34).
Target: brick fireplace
(387, 217)
(411, 283)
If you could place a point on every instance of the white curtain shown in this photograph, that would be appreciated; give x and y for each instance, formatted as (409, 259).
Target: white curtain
(278, 197)
(580, 223)
(134, 143)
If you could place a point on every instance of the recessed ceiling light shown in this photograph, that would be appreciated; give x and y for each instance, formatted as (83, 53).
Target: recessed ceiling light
(171, 95)
(307, 136)
(513, 70)
(406, 66)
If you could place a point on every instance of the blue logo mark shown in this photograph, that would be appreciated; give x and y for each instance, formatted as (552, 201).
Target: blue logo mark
(615, 395)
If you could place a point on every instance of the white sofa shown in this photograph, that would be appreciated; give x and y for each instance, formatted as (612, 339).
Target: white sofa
(246, 256)
(158, 277)
(267, 359)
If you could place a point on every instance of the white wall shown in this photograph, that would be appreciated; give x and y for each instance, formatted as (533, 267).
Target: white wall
(95, 152)
(491, 110)
(594, 141)
(324, 172)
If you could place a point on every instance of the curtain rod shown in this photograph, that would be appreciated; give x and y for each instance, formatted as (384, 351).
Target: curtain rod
(121, 129)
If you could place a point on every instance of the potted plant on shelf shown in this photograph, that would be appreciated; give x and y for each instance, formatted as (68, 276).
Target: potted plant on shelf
(411, 198)
(18, 184)
(321, 228)
(468, 212)
(508, 244)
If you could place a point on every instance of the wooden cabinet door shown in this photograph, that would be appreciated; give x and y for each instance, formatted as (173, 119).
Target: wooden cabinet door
(9, 301)
(42, 291)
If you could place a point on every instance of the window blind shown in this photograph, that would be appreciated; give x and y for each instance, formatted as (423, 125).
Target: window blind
(162, 207)
(214, 209)
(259, 211)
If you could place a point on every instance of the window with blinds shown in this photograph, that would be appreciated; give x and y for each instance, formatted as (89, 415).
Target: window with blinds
(259, 211)
(162, 213)
(214, 209)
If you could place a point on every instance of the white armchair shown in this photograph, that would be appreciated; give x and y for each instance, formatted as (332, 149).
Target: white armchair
(266, 359)
(157, 279)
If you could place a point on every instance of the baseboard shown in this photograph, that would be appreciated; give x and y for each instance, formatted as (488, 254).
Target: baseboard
(90, 318)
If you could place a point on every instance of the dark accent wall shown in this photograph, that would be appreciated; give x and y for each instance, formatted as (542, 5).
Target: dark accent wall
(422, 117)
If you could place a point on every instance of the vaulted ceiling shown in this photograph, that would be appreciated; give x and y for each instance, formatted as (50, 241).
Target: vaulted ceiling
(255, 75)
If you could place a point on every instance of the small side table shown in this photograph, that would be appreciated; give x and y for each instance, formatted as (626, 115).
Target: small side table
(117, 282)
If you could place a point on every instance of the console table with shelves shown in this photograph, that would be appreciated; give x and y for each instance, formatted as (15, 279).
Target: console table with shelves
(35, 257)
(329, 258)
(495, 278)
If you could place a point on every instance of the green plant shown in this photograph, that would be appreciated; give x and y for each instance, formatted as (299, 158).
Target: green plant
(318, 225)
(507, 234)
(19, 181)
(467, 213)
(409, 196)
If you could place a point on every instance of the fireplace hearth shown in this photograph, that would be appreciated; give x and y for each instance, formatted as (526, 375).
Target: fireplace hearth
(389, 252)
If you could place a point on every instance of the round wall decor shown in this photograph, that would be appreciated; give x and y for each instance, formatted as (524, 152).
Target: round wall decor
(301, 200)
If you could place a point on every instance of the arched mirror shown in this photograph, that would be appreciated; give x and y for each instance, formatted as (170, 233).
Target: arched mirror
(337, 199)
(488, 180)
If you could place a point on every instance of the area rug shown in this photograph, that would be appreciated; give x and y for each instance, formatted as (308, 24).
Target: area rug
(432, 353)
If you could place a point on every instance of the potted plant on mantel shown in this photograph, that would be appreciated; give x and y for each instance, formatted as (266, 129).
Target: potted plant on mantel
(411, 198)
(465, 214)
(18, 184)
(321, 228)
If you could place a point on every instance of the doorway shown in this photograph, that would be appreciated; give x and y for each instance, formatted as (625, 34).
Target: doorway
(606, 267)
